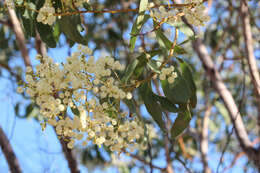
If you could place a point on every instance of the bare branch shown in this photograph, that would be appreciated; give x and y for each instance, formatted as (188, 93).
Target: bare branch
(204, 139)
(228, 99)
(21, 42)
(5, 66)
(254, 73)
(9, 153)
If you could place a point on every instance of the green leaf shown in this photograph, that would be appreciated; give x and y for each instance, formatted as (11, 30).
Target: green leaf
(162, 39)
(166, 104)
(28, 20)
(28, 110)
(68, 25)
(151, 104)
(179, 50)
(131, 105)
(137, 26)
(178, 91)
(16, 109)
(166, 43)
(46, 34)
(130, 70)
(136, 67)
(180, 123)
(75, 111)
(56, 32)
(187, 74)
(139, 22)
(154, 65)
(143, 6)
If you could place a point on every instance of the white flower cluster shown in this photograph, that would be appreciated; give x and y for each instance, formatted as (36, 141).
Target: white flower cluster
(194, 13)
(46, 14)
(169, 74)
(90, 88)
(161, 14)
(196, 16)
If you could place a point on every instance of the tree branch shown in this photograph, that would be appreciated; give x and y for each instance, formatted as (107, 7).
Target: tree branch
(228, 99)
(9, 153)
(204, 138)
(16, 26)
(72, 162)
(254, 73)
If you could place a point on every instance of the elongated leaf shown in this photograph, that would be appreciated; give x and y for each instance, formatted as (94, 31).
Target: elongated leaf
(180, 123)
(151, 104)
(75, 111)
(130, 70)
(136, 67)
(28, 21)
(166, 104)
(166, 43)
(187, 74)
(68, 25)
(46, 34)
(154, 66)
(178, 91)
(137, 26)
(139, 22)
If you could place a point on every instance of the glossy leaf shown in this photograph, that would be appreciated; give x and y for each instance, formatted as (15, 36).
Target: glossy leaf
(137, 26)
(151, 104)
(178, 91)
(28, 20)
(130, 70)
(166, 104)
(180, 123)
(166, 43)
(68, 25)
(139, 22)
(75, 111)
(187, 74)
(46, 34)
(154, 66)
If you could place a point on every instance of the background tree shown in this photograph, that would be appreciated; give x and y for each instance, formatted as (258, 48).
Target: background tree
(205, 127)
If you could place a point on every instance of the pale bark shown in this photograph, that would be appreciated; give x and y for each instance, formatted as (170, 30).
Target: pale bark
(249, 50)
(228, 100)
(204, 139)
(21, 42)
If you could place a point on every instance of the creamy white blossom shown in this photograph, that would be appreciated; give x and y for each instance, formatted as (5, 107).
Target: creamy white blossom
(46, 14)
(58, 87)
